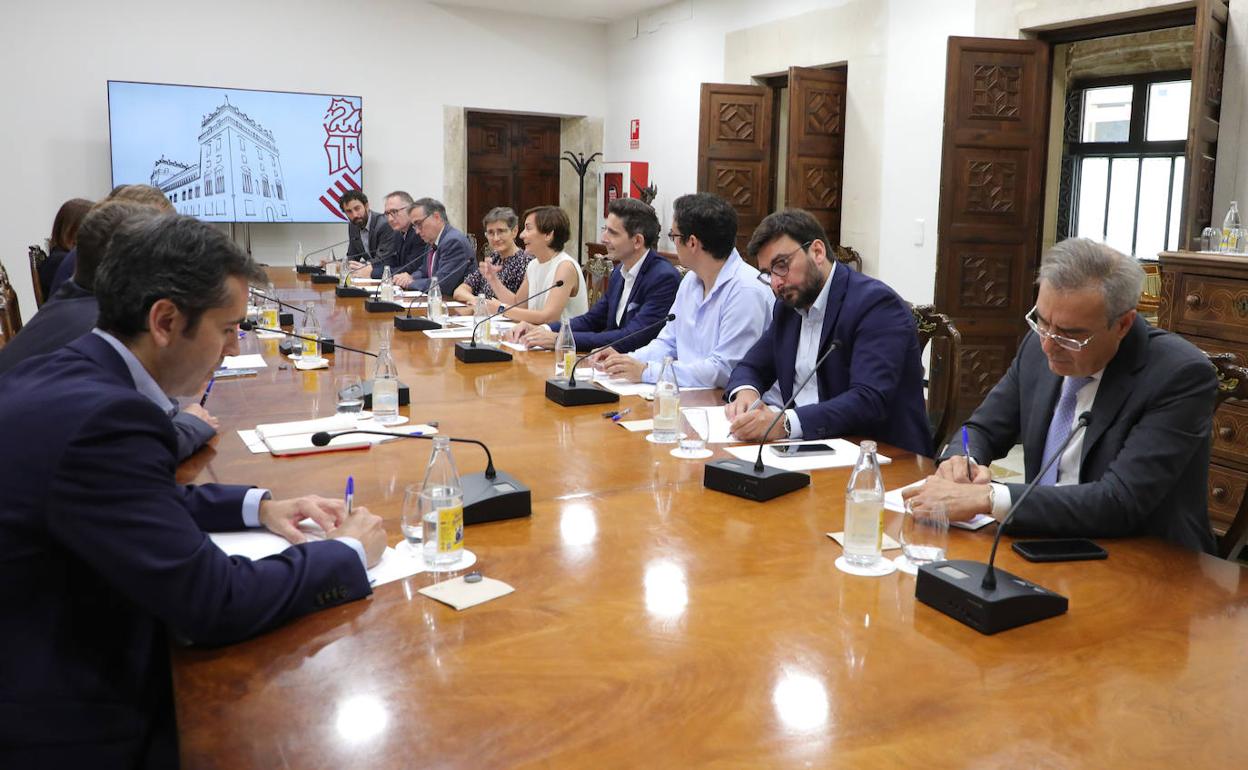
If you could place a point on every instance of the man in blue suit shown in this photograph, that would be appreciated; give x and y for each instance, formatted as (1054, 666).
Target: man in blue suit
(103, 556)
(449, 256)
(411, 247)
(869, 385)
(639, 293)
(370, 241)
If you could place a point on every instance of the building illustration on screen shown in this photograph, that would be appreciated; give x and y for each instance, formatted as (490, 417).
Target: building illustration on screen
(238, 177)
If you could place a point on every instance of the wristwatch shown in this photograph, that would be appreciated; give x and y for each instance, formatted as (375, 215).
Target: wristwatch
(788, 431)
(992, 499)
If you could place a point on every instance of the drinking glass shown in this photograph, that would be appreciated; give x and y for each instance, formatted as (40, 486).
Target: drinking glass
(924, 532)
(411, 522)
(1210, 240)
(694, 440)
(350, 393)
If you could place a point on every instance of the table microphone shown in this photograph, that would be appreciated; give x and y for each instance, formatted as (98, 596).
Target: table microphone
(571, 393)
(471, 353)
(328, 346)
(490, 496)
(284, 319)
(348, 291)
(305, 268)
(757, 481)
(968, 592)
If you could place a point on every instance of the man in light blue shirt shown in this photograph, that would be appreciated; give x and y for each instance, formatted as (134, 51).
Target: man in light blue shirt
(721, 307)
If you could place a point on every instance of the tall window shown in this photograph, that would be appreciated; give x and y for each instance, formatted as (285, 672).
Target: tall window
(1122, 175)
(264, 183)
(280, 195)
(247, 181)
(220, 181)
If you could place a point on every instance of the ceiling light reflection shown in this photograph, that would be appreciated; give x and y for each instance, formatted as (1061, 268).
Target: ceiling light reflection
(578, 526)
(667, 593)
(360, 718)
(801, 701)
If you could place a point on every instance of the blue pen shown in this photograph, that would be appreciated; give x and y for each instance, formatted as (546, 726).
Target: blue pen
(966, 450)
(350, 493)
(207, 390)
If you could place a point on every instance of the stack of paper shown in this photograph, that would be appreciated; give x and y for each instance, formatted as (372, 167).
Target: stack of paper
(295, 438)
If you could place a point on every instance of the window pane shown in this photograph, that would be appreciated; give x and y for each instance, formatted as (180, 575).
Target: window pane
(1121, 225)
(1107, 114)
(1167, 110)
(1150, 233)
(1176, 203)
(1092, 173)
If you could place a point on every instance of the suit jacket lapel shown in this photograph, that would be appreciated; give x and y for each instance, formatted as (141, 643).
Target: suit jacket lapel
(615, 290)
(1116, 384)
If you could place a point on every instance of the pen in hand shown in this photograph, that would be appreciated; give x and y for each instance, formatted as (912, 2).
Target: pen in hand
(350, 494)
(966, 452)
(204, 399)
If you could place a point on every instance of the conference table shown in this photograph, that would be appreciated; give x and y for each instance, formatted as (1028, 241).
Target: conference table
(658, 623)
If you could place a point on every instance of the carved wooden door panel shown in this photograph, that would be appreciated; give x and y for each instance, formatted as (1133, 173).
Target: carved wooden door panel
(1204, 115)
(991, 201)
(734, 151)
(816, 161)
(513, 160)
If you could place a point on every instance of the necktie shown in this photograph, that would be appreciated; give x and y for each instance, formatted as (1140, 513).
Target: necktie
(1060, 427)
(433, 252)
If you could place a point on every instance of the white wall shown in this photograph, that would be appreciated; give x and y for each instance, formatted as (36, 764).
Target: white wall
(406, 58)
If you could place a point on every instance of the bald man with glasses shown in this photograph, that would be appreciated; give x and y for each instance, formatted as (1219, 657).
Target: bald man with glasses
(1141, 465)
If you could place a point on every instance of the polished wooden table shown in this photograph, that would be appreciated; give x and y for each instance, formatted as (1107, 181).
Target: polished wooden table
(656, 623)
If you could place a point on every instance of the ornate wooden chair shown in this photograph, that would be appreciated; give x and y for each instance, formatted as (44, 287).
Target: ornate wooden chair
(37, 256)
(1232, 384)
(10, 315)
(848, 257)
(943, 369)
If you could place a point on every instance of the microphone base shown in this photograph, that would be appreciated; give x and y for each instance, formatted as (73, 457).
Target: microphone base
(285, 319)
(580, 394)
(309, 269)
(381, 306)
(405, 395)
(323, 278)
(347, 291)
(288, 346)
(414, 323)
(481, 354)
(502, 497)
(738, 477)
(960, 595)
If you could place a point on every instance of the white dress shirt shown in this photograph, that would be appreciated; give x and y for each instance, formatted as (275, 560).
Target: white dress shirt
(630, 278)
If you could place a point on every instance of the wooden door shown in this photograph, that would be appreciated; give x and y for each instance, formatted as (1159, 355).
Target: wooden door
(734, 152)
(991, 201)
(1204, 115)
(816, 145)
(513, 160)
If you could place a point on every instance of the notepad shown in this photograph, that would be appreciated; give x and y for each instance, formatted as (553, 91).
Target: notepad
(295, 438)
(249, 361)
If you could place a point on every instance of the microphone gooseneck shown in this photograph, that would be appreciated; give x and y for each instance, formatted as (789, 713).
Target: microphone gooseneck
(758, 461)
(502, 310)
(248, 326)
(257, 292)
(325, 248)
(990, 576)
(322, 438)
(572, 374)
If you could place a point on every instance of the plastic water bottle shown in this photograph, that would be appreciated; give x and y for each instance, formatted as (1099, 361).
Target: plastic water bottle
(385, 292)
(385, 388)
(344, 271)
(480, 314)
(565, 347)
(269, 311)
(1230, 230)
(864, 510)
(442, 507)
(666, 405)
(311, 333)
(437, 313)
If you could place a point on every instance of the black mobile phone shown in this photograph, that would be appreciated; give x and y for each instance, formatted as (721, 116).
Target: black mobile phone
(803, 450)
(1069, 549)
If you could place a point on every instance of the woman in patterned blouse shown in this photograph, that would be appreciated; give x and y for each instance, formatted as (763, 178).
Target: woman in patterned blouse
(507, 259)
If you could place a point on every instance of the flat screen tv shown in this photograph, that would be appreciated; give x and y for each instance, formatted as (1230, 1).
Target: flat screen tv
(236, 154)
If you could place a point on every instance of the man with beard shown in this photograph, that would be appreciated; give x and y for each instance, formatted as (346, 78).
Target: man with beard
(870, 385)
(372, 241)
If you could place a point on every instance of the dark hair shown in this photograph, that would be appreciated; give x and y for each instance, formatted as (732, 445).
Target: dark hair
(799, 225)
(97, 230)
(144, 194)
(352, 195)
(431, 206)
(711, 218)
(638, 219)
(169, 257)
(65, 224)
(551, 220)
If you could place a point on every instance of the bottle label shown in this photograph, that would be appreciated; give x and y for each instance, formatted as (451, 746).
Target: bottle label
(270, 317)
(569, 359)
(309, 347)
(450, 529)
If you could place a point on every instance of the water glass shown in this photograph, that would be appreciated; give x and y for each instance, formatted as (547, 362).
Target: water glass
(350, 393)
(694, 440)
(924, 532)
(411, 522)
(1210, 240)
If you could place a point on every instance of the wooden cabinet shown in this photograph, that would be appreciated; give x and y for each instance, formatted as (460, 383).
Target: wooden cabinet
(1204, 297)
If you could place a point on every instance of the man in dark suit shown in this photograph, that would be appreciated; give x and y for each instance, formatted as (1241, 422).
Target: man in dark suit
(371, 241)
(870, 385)
(72, 313)
(639, 293)
(103, 557)
(449, 256)
(411, 247)
(1140, 467)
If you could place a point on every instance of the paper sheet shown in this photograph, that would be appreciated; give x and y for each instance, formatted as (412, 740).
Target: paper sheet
(249, 361)
(889, 544)
(636, 426)
(293, 438)
(461, 595)
(717, 422)
(894, 502)
(259, 543)
(453, 333)
(846, 455)
(513, 346)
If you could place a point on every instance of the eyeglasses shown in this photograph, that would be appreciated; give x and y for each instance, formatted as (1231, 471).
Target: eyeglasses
(677, 237)
(1069, 343)
(780, 265)
(495, 233)
(418, 222)
(392, 213)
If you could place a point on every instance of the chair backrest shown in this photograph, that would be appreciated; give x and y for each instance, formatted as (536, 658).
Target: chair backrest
(10, 316)
(1232, 384)
(37, 256)
(848, 256)
(943, 369)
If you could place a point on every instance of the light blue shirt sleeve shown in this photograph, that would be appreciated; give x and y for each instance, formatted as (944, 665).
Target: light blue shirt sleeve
(251, 506)
(356, 546)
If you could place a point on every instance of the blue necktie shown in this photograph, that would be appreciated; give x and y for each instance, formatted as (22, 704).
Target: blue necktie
(1060, 427)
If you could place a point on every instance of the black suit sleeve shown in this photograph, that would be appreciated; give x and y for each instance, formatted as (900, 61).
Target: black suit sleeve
(994, 427)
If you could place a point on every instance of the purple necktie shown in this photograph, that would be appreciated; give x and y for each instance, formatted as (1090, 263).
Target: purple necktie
(1061, 426)
(433, 252)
